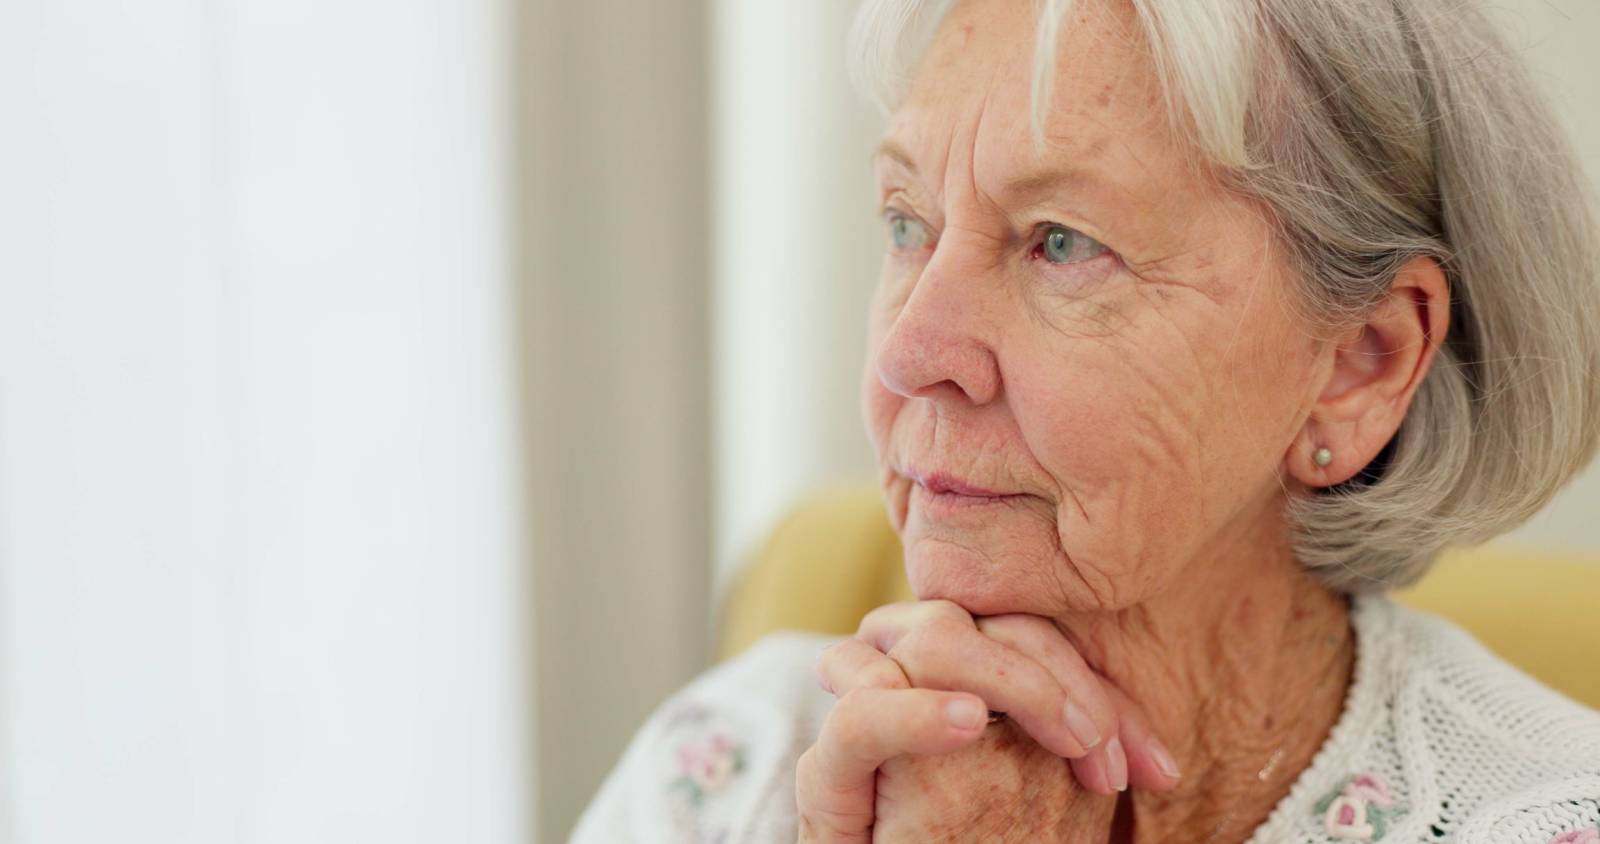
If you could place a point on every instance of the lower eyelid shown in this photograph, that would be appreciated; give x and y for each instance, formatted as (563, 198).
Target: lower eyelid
(1084, 265)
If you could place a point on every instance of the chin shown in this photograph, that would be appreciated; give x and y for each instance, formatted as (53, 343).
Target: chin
(982, 583)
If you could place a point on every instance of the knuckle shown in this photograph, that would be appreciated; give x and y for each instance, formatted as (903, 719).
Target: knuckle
(805, 771)
(929, 645)
(878, 615)
(909, 651)
(830, 655)
(854, 664)
(948, 628)
(884, 674)
(819, 670)
(946, 613)
(845, 724)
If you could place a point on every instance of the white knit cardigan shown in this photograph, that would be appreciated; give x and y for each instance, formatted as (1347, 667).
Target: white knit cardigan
(1439, 741)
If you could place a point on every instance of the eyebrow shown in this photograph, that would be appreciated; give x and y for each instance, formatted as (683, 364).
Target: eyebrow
(896, 153)
(1023, 187)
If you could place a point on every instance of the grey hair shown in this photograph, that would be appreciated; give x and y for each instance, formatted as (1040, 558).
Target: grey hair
(1376, 131)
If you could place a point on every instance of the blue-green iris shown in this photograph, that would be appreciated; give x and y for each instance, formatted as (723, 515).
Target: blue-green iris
(906, 233)
(1067, 246)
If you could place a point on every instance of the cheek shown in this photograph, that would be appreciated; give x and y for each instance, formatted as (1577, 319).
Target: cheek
(1163, 439)
(1121, 431)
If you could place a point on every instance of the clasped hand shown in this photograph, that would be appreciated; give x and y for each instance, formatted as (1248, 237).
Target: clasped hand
(909, 753)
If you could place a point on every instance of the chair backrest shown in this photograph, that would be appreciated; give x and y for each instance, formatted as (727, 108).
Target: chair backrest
(835, 557)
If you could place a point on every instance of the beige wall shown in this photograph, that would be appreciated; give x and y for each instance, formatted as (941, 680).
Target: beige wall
(1559, 38)
(612, 231)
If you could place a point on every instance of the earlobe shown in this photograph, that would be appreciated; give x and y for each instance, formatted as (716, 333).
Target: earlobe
(1315, 458)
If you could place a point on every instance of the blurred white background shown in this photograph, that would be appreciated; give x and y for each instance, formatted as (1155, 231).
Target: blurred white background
(386, 389)
(261, 568)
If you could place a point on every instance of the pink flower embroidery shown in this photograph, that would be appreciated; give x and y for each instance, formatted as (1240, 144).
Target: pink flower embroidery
(1578, 836)
(1370, 789)
(707, 763)
(1360, 809)
(1346, 818)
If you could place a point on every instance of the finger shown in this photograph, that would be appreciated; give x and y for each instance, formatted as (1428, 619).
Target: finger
(949, 656)
(1104, 770)
(1150, 762)
(1138, 756)
(853, 664)
(835, 779)
(884, 627)
(1040, 640)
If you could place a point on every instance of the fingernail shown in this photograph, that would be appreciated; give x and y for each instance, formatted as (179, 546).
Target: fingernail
(965, 714)
(1163, 757)
(1082, 727)
(1116, 765)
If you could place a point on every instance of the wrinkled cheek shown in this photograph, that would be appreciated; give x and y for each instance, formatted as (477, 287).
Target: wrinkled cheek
(1144, 520)
(1132, 487)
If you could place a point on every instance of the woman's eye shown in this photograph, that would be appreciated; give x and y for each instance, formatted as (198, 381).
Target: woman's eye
(906, 233)
(1062, 245)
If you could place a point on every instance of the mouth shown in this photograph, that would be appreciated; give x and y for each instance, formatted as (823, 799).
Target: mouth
(940, 493)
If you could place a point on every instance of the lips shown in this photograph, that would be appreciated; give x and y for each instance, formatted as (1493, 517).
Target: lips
(941, 483)
(943, 494)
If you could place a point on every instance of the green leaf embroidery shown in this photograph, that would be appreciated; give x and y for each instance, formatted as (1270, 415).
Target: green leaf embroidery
(1376, 819)
(1324, 803)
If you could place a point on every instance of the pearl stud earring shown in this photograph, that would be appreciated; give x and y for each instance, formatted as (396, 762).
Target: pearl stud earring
(1322, 457)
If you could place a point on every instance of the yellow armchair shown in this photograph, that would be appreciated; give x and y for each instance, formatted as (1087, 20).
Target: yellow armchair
(836, 557)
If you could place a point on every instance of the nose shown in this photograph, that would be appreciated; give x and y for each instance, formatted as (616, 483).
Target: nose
(936, 346)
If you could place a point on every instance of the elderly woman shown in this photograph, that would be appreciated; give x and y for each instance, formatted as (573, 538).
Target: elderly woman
(1200, 325)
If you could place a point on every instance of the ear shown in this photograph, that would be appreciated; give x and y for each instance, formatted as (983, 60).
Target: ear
(1374, 371)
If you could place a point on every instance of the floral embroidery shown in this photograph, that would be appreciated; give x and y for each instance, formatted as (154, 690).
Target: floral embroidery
(1368, 787)
(704, 755)
(1578, 836)
(1360, 809)
(706, 764)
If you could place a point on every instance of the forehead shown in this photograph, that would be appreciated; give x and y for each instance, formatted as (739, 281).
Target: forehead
(971, 96)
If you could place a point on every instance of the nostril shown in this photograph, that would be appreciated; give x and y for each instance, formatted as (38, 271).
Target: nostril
(896, 371)
(928, 352)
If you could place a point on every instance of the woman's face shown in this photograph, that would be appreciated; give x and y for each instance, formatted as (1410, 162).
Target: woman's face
(1084, 366)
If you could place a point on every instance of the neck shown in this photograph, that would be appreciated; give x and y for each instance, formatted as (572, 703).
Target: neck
(1242, 667)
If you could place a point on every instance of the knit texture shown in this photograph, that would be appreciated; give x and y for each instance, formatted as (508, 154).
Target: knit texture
(1439, 741)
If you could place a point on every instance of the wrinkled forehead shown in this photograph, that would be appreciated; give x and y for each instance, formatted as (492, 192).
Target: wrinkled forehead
(971, 96)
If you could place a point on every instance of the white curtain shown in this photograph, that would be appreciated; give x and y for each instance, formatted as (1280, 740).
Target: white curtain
(259, 513)
(798, 241)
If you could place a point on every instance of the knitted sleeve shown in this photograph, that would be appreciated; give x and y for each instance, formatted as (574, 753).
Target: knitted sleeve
(715, 763)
